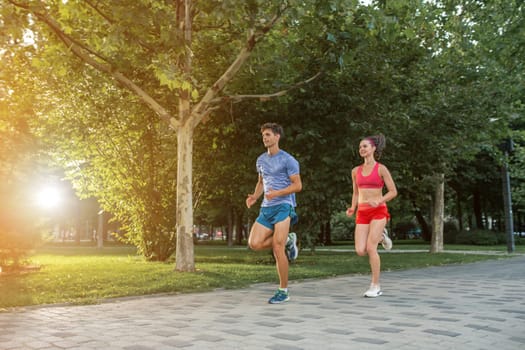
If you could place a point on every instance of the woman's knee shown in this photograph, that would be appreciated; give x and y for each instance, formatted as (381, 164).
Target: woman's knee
(371, 250)
(361, 251)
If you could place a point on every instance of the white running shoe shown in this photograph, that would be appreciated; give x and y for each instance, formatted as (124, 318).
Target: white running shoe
(386, 242)
(374, 291)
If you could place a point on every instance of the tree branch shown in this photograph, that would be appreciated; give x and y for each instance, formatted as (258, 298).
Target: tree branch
(127, 33)
(85, 54)
(200, 111)
(266, 97)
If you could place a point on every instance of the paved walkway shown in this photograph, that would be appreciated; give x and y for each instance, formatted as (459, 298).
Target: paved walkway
(472, 306)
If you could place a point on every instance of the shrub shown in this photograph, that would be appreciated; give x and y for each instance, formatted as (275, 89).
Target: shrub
(519, 240)
(450, 232)
(15, 249)
(406, 230)
(479, 237)
(20, 231)
(342, 227)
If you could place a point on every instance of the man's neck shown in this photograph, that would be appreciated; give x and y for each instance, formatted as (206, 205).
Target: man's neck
(273, 150)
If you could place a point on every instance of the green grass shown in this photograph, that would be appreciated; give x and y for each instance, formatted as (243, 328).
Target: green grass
(83, 275)
(421, 245)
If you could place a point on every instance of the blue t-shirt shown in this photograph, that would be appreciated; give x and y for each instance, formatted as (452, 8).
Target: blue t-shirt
(276, 171)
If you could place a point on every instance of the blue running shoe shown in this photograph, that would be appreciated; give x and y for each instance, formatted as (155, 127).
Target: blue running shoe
(291, 246)
(279, 297)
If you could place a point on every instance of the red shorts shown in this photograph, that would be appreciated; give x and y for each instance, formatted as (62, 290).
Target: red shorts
(367, 213)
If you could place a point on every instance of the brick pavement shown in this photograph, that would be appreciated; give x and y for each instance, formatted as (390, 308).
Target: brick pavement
(472, 306)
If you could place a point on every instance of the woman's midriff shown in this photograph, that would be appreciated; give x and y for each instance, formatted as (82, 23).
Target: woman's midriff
(367, 195)
(367, 205)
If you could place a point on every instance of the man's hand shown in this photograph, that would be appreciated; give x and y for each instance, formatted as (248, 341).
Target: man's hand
(270, 194)
(250, 200)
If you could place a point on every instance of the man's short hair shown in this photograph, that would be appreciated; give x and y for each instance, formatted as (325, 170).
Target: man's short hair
(276, 128)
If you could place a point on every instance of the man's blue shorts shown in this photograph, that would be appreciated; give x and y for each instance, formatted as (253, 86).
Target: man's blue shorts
(269, 216)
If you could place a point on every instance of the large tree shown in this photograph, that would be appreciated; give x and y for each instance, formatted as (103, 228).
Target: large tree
(158, 50)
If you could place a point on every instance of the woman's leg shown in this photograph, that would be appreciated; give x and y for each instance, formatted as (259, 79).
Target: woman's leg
(374, 237)
(361, 238)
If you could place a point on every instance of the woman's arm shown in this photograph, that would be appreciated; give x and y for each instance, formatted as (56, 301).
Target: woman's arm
(389, 183)
(355, 195)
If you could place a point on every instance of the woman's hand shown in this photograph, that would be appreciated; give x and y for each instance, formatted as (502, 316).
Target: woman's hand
(374, 204)
(350, 212)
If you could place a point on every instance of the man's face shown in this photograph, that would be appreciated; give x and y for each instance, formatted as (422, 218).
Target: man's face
(269, 138)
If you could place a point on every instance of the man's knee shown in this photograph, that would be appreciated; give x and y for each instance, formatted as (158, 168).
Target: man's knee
(278, 245)
(259, 237)
(254, 245)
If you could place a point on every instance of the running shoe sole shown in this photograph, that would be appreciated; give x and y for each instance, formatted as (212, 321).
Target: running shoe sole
(292, 251)
(386, 242)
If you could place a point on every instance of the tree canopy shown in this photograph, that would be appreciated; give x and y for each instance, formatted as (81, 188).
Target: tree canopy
(154, 107)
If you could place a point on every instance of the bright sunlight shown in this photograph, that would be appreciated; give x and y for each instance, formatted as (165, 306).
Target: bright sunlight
(49, 197)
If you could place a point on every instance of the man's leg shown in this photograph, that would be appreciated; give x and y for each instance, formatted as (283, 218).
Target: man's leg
(260, 237)
(279, 241)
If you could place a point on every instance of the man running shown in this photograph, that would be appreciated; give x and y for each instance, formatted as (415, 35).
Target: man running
(279, 180)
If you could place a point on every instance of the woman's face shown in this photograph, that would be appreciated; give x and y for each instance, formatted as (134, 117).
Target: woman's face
(366, 148)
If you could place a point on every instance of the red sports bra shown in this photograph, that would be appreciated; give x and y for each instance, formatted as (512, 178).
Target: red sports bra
(373, 180)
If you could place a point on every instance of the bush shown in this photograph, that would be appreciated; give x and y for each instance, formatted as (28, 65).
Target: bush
(15, 247)
(450, 232)
(406, 230)
(519, 240)
(19, 154)
(20, 232)
(342, 227)
(479, 237)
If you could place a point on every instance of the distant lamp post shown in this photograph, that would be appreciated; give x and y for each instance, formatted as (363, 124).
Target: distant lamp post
(100, 229)
(507, 147)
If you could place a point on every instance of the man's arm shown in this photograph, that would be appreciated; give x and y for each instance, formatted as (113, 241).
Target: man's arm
(294, 187)
(252, 198)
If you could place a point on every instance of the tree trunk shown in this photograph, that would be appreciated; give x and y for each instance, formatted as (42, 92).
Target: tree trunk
(425, 230)
(459, 212)
(184, 252)
(328, 233)
(438, 216)
(476, 203)
(233, 229)
(229, 230)
(238, 226)
(101, 229)
(78, 224)
(247, 231)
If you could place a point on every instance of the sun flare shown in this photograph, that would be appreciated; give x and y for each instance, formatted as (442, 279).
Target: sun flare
(48, 197)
